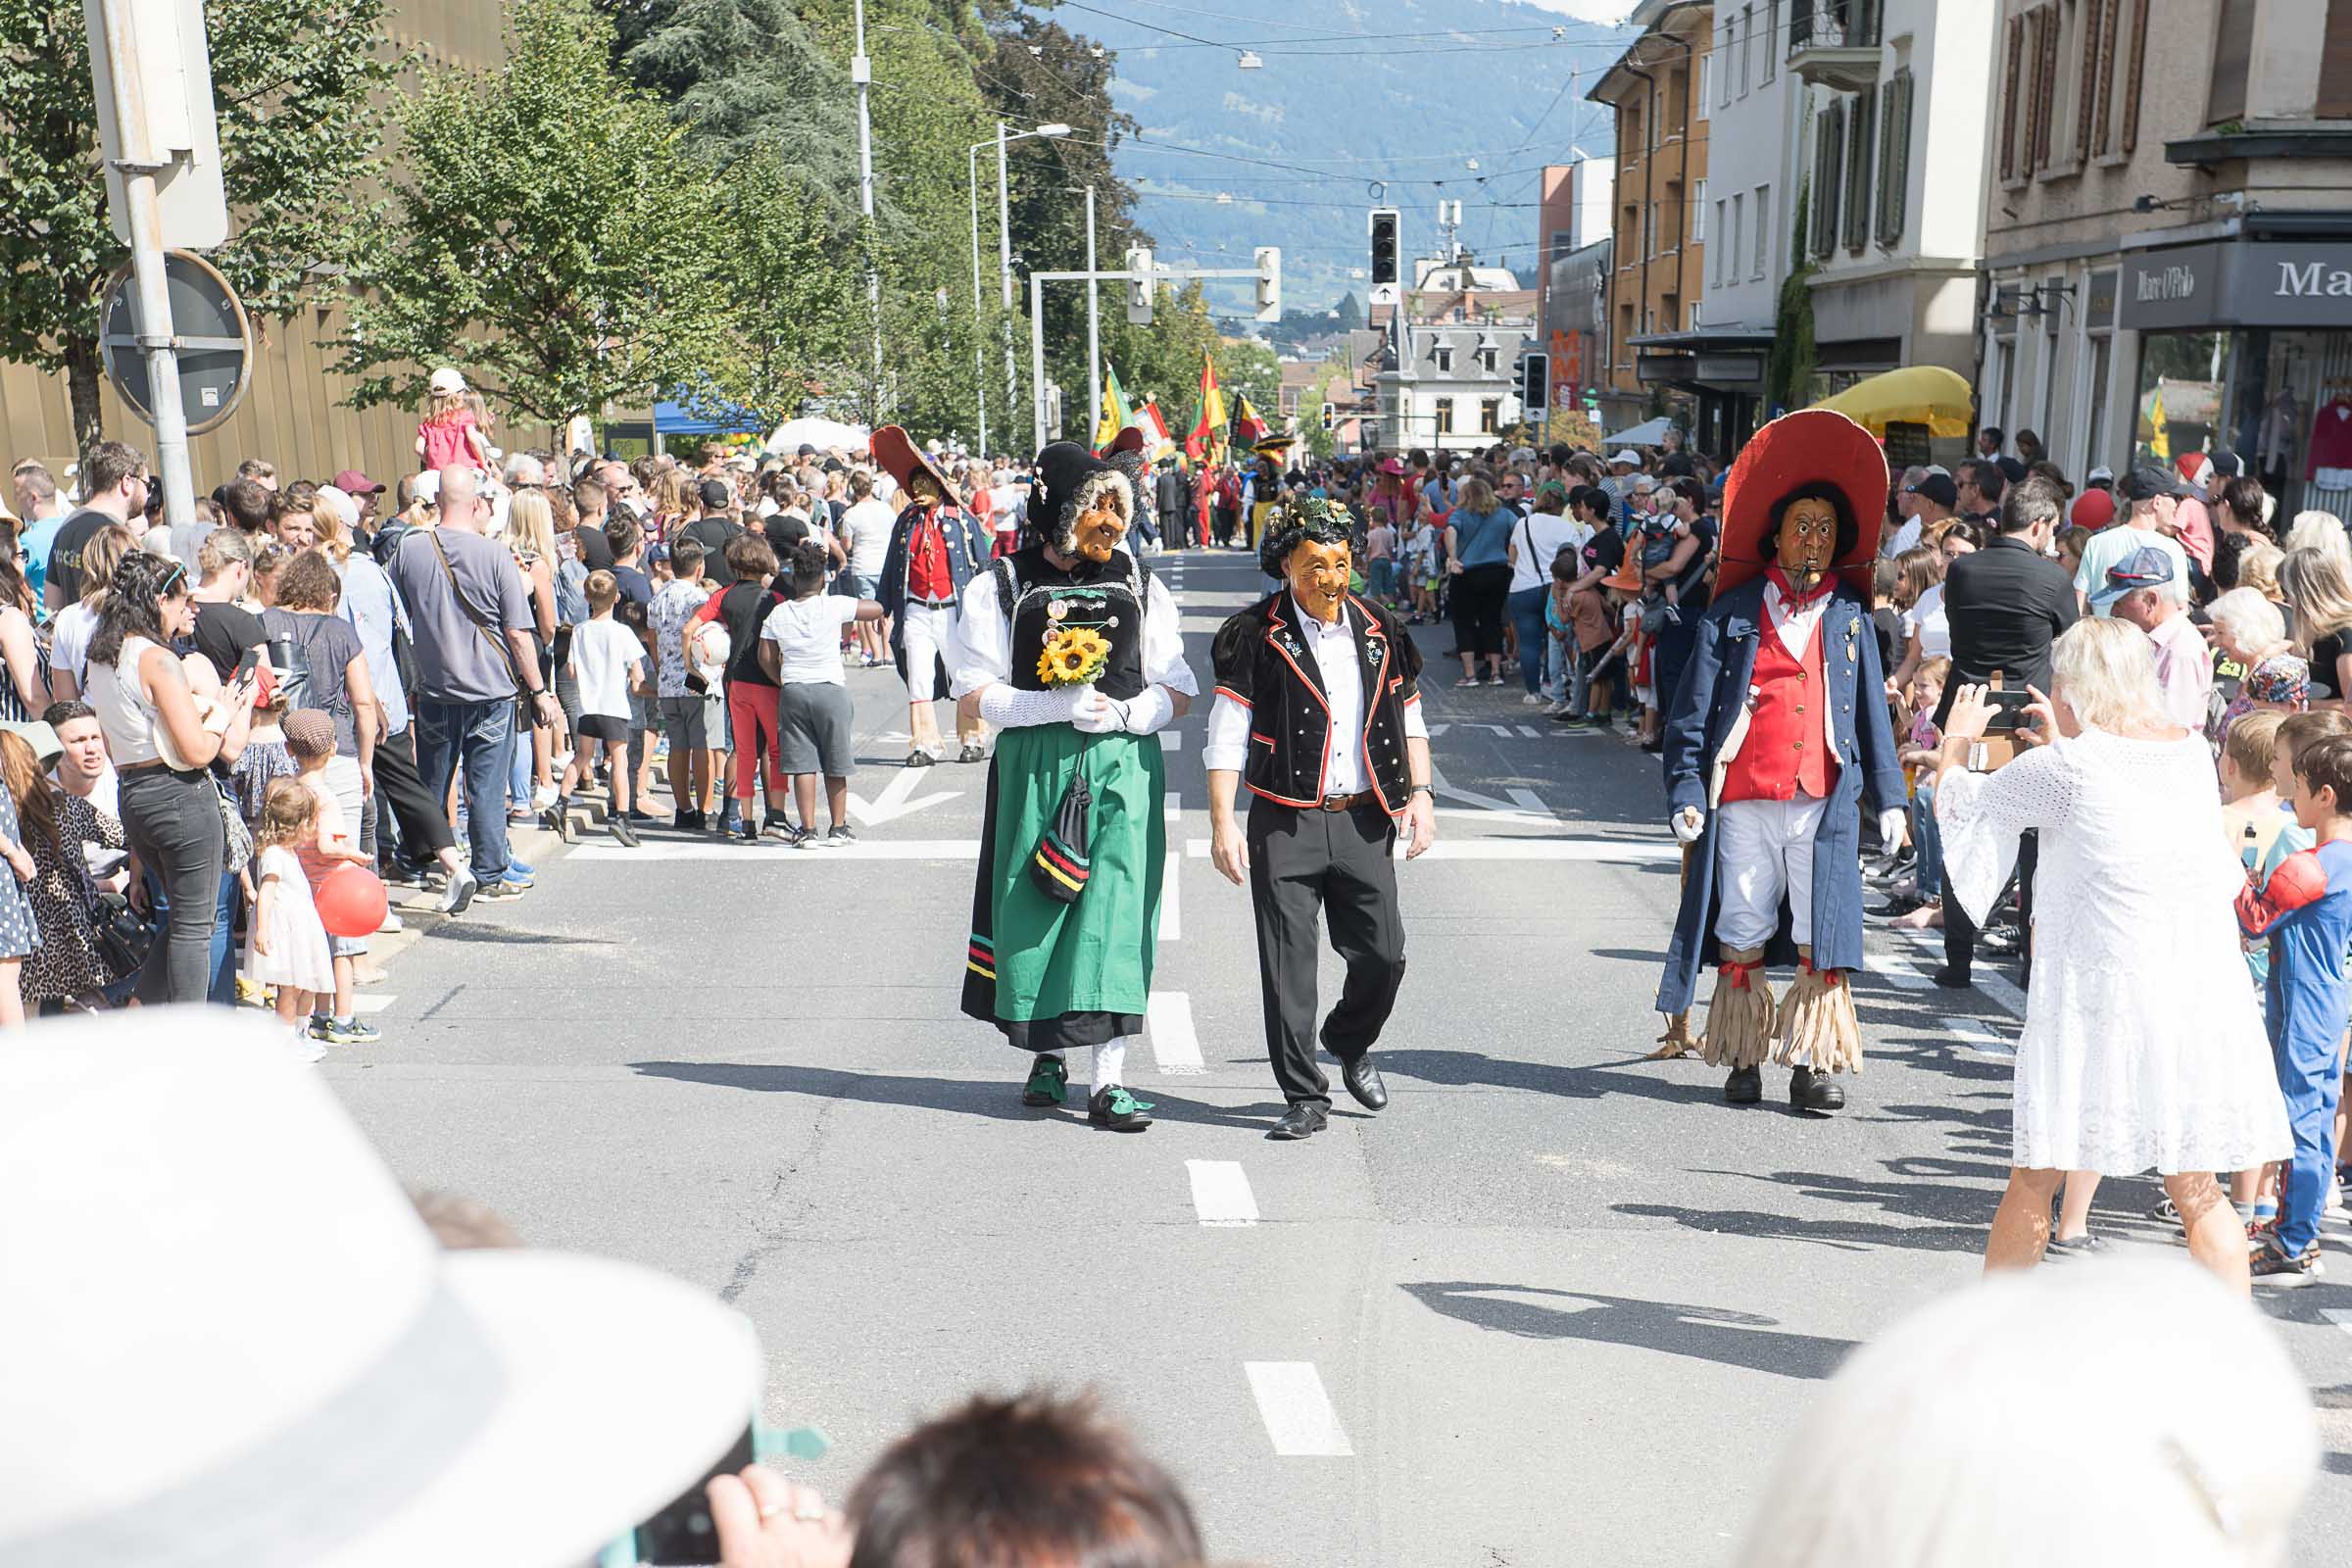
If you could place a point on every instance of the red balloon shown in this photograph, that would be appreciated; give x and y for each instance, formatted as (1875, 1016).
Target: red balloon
(352, 902)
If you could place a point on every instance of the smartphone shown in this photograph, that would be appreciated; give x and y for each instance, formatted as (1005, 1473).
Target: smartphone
(684, 1531)
(251, 661)
(2008, 707)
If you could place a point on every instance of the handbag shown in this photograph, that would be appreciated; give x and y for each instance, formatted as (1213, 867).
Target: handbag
(124, 936)
(1058, 867)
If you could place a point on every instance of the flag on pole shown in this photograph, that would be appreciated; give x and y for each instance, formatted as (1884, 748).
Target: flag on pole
(1158, 443)
(2160, 439)
(1248, 429)
(1209, 433)
(1114, 415)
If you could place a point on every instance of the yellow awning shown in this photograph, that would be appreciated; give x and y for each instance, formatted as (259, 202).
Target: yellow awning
(1916, 394)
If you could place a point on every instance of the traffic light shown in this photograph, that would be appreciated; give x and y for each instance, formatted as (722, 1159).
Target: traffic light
(1331, 416)
(1535, 384)
(1140, 286)
(1270, 283)
(1384, 246)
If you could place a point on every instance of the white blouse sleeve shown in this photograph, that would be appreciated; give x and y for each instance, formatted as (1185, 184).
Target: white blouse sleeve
(1227, 748)
(982, 655)
(1980, 816)
(1164, 642)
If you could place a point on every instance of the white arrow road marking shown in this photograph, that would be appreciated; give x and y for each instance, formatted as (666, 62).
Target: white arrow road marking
(1297, 1413)
(1221, 1194)
(1168, 1021)
(894, 803)
(1523, 804)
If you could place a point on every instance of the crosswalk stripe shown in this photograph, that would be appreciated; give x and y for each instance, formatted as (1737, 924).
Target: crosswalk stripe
(1171, 902)
(1168, 1024)
(1221, 1194)
(1296, 1411)
(1625, 851)
(1893, 970)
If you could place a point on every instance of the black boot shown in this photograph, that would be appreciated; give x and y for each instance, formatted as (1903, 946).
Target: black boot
(1815, 1090)
(1744, 1087)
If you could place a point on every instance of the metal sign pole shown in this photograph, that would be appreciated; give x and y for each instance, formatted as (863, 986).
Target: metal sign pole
(139, 162)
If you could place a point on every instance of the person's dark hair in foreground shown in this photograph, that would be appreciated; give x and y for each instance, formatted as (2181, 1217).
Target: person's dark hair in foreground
(1019, 1483)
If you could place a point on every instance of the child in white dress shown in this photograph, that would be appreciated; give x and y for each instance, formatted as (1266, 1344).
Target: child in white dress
(286, 946)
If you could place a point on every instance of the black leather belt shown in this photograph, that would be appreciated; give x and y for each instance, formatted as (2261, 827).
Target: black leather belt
(1345, 802)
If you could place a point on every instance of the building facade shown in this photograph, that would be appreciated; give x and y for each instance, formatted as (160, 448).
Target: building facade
(1893, 112)
(1659, 235)
(292, 413)
(1450, 367)
(1575, 323)
(2168, 245)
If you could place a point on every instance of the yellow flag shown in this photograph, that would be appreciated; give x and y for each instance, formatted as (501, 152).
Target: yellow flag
(2160, 442)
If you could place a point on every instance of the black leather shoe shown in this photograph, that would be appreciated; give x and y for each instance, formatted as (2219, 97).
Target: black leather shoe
(1363, 1082)
(1302, 1120)
(1952, 979)
(1815, 1090)
(1744, 1087)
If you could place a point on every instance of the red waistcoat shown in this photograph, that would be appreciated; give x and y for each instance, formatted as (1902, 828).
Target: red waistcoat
(1783, 754)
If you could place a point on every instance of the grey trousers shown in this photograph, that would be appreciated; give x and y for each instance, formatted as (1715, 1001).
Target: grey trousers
(171, 821)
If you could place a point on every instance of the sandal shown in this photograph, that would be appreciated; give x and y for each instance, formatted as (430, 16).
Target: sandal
(1467, 680)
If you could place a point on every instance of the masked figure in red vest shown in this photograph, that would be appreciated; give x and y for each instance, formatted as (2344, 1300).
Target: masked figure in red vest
(1776, 736)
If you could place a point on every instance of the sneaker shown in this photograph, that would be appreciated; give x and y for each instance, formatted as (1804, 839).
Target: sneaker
(392, 922)
(691, 823)
(746, 829)
(1531, 699)
(1049, 1082)
(921, 759)
(622, 834)
(806, 840)
(518, 869)
(782, 827)
(793, 838)
(351, 1032)
(2082, 1245)
(305, 1047)
(1495, 680)
(840, 835)
(462, 886)
(2271, 1264)
(543, 797)
(1114, 1108)
(316, 1025)
(504, 888)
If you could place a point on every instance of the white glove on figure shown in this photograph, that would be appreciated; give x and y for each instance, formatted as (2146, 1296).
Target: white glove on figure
(1099, 715)
(1893, 827)
(1010, 708)
(1149, 711)
(1688, 825)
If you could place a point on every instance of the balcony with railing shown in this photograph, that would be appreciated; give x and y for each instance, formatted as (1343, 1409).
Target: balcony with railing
(1835, 43)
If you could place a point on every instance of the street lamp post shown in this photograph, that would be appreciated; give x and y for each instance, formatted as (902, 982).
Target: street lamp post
(1012, 390)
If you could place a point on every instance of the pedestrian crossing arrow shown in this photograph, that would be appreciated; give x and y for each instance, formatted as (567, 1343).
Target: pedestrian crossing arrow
(893, 803)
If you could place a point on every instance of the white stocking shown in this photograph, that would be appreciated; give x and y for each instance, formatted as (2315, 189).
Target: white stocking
(1110, 1058)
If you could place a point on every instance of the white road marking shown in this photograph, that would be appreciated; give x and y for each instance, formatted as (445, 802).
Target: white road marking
(1893, 968)
(1171, 902)
(366, 1003)
(1617, 851)
(1221, 1194)
(1436, 730)
(2342, 1317)
(1997, 988)
(1172, 811)
(712, 850)
(1529, 731)
(1168, 1024)
(894, 799)
(1297, 1413)
(1979, 1037)
(1171, 740)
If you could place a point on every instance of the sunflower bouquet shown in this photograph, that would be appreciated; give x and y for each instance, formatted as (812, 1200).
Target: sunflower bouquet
(1074, 657)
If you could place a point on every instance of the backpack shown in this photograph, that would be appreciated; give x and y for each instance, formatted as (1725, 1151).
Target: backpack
(571, 592)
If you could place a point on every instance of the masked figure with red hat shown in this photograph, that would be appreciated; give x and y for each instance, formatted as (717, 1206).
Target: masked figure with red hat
(1076, 652)
(1774, 738)
(936, 548)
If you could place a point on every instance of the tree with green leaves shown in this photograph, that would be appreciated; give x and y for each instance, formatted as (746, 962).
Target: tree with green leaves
(550, 231)
(295, 89)
(800, 317)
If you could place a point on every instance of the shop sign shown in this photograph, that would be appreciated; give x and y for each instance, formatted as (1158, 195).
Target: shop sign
(2237, 284)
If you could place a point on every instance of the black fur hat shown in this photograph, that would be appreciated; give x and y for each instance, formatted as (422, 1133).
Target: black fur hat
(1069, 479)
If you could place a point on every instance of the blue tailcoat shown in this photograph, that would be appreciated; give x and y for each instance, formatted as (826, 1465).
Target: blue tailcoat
(1713, 691)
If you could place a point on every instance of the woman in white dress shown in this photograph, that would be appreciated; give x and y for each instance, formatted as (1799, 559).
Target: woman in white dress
(2143, 1044)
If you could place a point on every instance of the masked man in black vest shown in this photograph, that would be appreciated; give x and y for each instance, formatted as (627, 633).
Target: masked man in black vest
(1319, 711)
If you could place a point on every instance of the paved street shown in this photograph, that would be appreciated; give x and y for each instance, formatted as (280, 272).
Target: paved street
(1557, 1304)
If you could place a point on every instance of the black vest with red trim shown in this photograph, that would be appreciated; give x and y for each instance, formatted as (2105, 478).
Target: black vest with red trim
(1264, 663)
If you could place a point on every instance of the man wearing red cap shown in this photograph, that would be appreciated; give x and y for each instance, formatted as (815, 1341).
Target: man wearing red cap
(1773, 738)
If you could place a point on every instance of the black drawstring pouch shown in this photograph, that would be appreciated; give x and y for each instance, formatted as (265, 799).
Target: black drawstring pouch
(1059, 866)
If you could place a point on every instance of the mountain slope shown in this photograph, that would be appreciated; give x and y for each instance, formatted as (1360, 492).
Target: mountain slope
(1352, 102)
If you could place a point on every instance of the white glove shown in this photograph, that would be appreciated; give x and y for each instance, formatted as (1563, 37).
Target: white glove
(1097, 715)
(1893, 827)
(1149, 712)
(1688, 823)
(1010, 708)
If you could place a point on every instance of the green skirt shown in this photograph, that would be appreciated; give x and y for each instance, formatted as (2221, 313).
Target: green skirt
(1058, 976)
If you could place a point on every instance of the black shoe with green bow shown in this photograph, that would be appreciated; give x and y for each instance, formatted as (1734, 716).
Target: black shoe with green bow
(1049, 1082)
(1112, 1106)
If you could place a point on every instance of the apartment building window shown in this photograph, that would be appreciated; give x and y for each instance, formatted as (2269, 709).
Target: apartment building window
(2013, 53)
(1699, 211)
(1723, 78)
(1731, 235)
(1724, 269)
(1490, 416)
(1445, 361)
(1763, 228)
(1772, 39)
(1444, 413)
(1894, 158)
(1747, 44)
(2335, 65)
(2233, 61)
(1707, 76)
(1563, 241)
(1829, 173)
(1486, 361)
(1861, 122)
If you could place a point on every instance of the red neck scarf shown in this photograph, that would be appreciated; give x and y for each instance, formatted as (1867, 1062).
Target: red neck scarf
(1795, 600)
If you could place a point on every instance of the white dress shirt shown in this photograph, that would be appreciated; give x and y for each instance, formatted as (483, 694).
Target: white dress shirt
(1333, 645)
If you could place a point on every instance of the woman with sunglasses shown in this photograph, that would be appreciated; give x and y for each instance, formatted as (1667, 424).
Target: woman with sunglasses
(162, 738)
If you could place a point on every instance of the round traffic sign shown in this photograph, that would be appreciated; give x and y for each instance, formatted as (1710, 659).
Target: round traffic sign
(209, 327)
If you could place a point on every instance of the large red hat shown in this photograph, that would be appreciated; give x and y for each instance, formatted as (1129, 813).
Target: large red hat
(901, 460)
(1809, 446)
